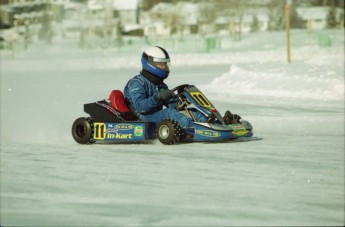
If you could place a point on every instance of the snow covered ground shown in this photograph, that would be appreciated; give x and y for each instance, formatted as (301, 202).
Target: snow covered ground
(292, 175)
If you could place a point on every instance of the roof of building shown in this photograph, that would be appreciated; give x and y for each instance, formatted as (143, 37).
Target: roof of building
(125, 4)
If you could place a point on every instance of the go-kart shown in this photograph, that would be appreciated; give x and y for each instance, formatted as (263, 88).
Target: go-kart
(111, 120)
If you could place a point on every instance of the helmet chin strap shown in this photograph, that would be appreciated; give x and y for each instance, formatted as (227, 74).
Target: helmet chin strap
(154, 79)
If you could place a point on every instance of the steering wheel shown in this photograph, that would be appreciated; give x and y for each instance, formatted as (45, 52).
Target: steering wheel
(180, 88)
(182, 103)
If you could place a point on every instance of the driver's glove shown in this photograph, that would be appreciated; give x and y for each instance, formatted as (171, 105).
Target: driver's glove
(164, 95)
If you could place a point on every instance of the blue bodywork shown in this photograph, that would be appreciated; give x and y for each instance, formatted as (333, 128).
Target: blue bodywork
(123, 131)
(214, 132)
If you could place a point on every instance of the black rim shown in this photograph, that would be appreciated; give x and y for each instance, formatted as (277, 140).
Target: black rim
(80, 131)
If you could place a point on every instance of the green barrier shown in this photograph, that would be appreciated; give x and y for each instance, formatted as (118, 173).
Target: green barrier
(212, 43)
(325, 40)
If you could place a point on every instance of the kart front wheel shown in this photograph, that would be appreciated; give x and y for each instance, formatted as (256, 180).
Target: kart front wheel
(82, 130)
(169, 132)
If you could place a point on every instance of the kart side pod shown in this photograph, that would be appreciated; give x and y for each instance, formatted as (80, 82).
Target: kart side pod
(107, 124)
(85, 131)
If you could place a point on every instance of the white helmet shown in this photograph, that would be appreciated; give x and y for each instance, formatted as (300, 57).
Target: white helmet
(156, 60)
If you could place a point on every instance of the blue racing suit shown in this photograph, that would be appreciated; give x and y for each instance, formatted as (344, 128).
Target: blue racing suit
(140, 94)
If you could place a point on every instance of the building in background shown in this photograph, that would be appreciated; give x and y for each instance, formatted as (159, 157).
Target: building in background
(316, 17)
(109, 20)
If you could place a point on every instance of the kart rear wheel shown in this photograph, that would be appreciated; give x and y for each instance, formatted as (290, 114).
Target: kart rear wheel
(82, 130)
(169, 132)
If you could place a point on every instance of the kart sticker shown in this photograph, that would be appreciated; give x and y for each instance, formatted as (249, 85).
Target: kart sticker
(124, 126)
(138, 131)
(200, 99)
(99, 131)
(118, 131)
(239, 130)
(118, 135)
(207, 133)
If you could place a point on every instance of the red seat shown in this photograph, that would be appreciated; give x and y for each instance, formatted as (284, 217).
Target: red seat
(117, 100)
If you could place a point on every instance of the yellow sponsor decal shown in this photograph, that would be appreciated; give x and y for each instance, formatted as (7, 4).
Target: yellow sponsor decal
(104, 131)
(124, 126)
(201, 99)
(99, 131)
(119, 136)
(239, 130)
(208, 133)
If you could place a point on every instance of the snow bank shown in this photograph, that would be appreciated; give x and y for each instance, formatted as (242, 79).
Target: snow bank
(314, 73)
(283, 83)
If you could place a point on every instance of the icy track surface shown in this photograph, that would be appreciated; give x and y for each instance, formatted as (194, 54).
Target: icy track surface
(293, 175)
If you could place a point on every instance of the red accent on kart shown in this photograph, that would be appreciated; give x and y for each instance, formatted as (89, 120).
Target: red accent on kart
(213, 110)
(117, 100)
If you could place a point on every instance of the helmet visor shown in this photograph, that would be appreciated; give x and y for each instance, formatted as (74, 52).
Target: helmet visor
(162, 63)
(161, 59)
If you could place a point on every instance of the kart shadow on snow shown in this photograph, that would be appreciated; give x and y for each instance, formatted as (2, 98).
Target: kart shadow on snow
(237, 140)
(156, 141)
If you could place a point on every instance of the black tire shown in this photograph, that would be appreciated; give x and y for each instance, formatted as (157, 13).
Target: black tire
(82, 130)
(169, 132)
